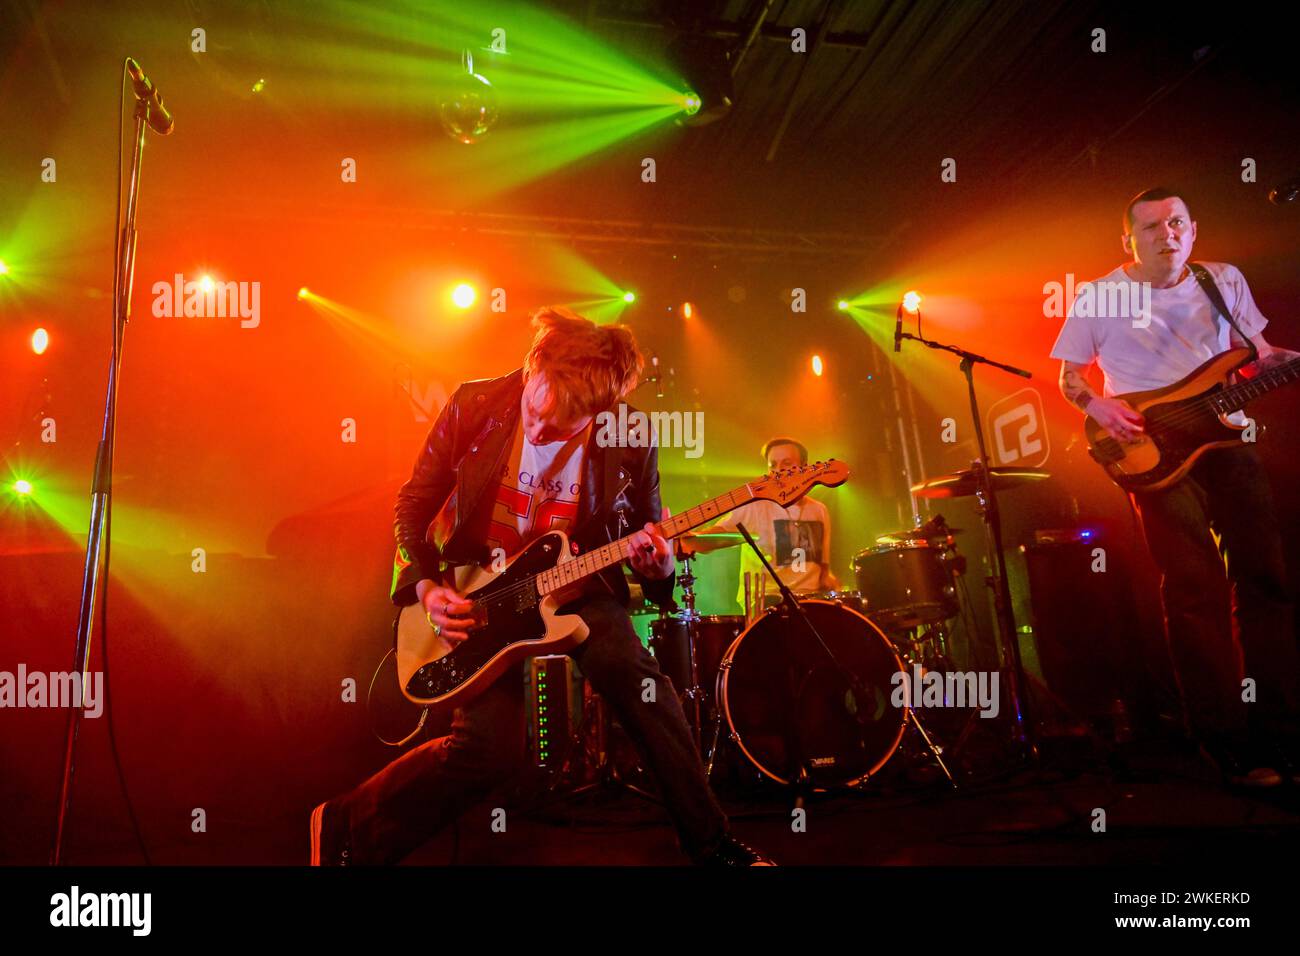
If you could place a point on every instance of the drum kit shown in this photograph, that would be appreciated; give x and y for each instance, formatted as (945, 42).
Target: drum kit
(761, 692)
(801, 691)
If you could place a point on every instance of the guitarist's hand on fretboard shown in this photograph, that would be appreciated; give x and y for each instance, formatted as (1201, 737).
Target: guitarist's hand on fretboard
(650, 553)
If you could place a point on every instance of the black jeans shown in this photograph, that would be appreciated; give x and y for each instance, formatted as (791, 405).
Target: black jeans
(1223, 628)
(415, 796)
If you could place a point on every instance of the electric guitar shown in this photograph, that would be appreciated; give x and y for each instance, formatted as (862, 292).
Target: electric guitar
(1183, 421)
(515, 608)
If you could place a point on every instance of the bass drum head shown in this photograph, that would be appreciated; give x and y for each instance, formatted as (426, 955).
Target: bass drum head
(779, 693)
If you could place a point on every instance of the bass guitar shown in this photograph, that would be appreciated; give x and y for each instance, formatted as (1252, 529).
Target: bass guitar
(1183, 421)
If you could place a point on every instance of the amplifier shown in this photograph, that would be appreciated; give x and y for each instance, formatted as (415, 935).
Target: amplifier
(553, 698)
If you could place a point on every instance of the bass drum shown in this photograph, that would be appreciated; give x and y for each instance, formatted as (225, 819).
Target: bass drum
(779, 693)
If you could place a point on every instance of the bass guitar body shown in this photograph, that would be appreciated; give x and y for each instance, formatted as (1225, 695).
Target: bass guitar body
(1182, 423)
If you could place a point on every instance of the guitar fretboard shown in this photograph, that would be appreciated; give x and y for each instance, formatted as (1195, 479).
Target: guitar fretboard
(1232, 399)
(570, 572)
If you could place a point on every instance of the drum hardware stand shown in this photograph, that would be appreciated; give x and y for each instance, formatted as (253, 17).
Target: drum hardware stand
(691, 617)
(911, 655)
(988, 509)
(609, 778)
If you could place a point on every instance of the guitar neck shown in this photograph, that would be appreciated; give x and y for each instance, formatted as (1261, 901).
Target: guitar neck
(1234, 397)
(618, 551)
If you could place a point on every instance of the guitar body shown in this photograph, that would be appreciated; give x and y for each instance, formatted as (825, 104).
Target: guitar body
(1179, 428)
(515, 610)
(512, 623)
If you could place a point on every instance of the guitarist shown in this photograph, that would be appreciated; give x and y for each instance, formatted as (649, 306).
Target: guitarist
(507, 460)
(1164, 330)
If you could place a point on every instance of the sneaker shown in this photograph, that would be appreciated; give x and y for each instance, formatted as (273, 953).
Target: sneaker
(731, 852)
(326, 848)
(1241, 771)
(1288, 761)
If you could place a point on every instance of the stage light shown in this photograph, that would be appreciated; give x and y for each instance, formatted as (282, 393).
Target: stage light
(842, 305)
(705, 65)
(304, 292)
(4, 269)
(463, 295)
(817, 365)
(259, 86)
(629, 297)
(206, 284)
(911, 301)
(40, 341)
(688, 310)
(22, 487)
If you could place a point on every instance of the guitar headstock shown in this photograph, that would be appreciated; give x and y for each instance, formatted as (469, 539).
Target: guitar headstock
(791, 484)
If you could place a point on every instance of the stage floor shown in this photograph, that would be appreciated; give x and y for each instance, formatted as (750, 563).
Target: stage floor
(1162, 806)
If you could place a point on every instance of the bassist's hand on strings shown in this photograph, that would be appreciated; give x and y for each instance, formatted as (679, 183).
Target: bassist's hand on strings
(1118, 417)
(446, 610)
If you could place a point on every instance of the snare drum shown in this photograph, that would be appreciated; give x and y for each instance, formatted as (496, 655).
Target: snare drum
(714, 633)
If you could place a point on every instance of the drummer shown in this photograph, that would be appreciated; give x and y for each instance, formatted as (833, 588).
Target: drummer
(796, 538)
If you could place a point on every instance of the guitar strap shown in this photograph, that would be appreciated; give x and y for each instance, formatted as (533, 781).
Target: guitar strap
(1211, 289)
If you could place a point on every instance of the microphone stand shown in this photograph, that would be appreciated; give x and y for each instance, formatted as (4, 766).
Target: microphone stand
(988, 507)
(102, 483)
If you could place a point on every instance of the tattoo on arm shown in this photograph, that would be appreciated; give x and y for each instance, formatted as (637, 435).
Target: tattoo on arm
(1074, 386)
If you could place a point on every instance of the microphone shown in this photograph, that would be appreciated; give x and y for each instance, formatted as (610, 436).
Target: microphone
(1286, 192)
(898, 330)
(159, 117)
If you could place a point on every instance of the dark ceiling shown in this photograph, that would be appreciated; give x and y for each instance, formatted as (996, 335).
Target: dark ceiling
(852, 134)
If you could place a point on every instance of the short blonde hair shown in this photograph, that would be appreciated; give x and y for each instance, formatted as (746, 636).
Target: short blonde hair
(588, 367)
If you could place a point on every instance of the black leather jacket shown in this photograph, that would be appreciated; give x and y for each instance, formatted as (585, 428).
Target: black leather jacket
(462, 457)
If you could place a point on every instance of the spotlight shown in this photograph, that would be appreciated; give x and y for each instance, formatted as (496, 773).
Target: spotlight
(22, 487)
(40, 341)
(629, 297)
(705, 65)
(688, 310)
(206, 284)
(463, 295)
(304, 292)
(842, 305)
(259, 86)
(4, 269)
(911, 301)
(817, 365)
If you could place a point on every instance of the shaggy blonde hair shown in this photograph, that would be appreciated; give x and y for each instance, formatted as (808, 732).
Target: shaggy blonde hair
(588, 367)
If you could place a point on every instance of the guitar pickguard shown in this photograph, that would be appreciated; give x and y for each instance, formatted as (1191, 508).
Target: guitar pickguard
(509, 613)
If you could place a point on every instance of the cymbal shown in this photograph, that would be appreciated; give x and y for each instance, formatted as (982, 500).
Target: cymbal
(962, 484)
(689, 545)
(917, 534)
